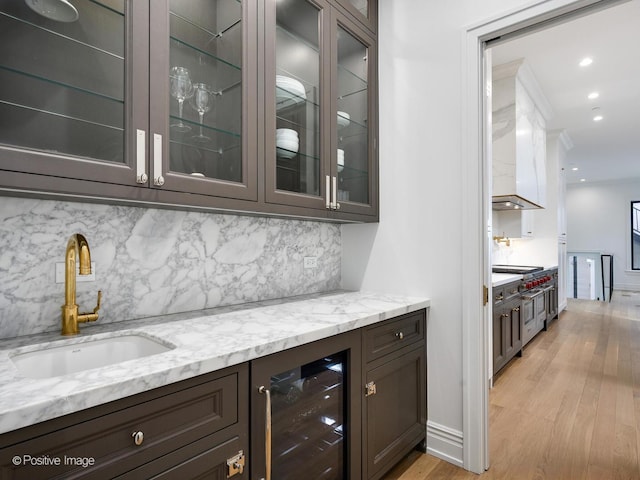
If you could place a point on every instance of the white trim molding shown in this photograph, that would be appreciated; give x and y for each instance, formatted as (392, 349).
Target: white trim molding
(444, 443)
(475, 218)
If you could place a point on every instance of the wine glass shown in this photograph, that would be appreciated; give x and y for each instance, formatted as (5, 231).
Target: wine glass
(181, 88)
(201, 101)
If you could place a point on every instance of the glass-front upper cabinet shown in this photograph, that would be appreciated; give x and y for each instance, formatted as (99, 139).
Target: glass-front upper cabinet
(354, 178)
(63, 89)
(296, 91)
(200, 110)
(320, 125)
(364, 11)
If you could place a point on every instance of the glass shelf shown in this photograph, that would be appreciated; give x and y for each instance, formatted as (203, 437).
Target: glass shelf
(197, 125)
(61, 84)
(284, 122)
(114, 9)
(69, 38)
(295, 100)
(207, 54)
(297, 155)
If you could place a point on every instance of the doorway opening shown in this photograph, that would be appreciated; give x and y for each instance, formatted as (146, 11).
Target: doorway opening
(480, 40)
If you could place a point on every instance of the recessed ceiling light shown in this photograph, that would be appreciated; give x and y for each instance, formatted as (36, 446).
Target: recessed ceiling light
(575, 169)
(586, 62)
(593, 95)
(597, 118)
(583, 179)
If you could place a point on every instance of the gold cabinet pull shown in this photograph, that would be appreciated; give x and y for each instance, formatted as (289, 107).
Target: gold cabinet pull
(267, 431)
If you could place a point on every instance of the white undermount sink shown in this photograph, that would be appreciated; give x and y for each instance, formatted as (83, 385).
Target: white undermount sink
(47, 362)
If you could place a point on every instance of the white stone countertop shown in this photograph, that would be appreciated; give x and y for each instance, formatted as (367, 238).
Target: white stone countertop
(499, 279)
(204, 341)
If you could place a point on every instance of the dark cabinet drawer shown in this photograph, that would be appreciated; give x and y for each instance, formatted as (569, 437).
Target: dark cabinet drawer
(204, 459)
(167, 420)
(393, 335)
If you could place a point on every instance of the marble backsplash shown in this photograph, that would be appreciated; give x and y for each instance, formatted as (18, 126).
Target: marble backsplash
(153, 262)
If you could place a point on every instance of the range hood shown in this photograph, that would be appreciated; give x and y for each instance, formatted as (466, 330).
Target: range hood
(512, 202)
(519, 115)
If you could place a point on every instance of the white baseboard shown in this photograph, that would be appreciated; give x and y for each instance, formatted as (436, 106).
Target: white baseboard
(445, 443)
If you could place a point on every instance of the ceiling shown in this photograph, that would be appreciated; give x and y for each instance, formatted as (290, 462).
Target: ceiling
(604, 150)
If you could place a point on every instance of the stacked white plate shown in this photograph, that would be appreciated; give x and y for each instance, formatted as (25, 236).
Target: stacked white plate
(340, 160)
(287, 142)
(289, 91)
(344, 119)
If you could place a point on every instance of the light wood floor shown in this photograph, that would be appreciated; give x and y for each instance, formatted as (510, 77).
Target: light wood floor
(569, 408)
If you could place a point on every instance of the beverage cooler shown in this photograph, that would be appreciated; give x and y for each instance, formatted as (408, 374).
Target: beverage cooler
(304, 422)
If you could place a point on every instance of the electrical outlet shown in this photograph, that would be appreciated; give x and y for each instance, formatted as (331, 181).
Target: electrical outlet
(310, 262)
(79, 278)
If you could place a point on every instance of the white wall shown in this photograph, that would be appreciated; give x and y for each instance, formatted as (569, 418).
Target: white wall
(418, 245)
(598, 219)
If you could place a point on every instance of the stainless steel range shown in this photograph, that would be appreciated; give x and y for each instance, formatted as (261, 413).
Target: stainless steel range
(535, 283)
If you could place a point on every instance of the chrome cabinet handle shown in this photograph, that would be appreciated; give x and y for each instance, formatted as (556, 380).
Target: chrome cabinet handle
(328, 192)
(158, 179)
(141, 172)
(267, 431)
(138, 438)
(336, 205)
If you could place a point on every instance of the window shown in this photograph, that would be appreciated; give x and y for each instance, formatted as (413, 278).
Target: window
(635, 235)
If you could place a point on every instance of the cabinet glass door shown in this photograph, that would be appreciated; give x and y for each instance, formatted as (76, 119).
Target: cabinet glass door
(354, 116)
(363, 10)
(62, 81)
(294, 139)
(203, 82)
(308, 420)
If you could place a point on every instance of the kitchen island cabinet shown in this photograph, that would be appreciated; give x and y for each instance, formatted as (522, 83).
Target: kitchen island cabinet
(176, 103)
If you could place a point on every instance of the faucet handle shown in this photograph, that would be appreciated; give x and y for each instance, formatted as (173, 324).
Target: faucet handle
(95, 310)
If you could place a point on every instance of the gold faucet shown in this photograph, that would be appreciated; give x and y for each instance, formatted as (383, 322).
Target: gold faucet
(77, 246)
(503, 239)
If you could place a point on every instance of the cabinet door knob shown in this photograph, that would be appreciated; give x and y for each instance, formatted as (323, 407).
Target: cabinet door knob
(138, 438)
(400, 335)
(158, 181)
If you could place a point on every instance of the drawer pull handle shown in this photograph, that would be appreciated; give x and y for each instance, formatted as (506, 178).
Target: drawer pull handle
(400, 335)
(516, 309)
(138, 438)
(499, 297)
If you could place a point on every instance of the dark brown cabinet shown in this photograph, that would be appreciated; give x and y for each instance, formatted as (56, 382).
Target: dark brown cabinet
(267, 107)
(348, 406)
(394, 406)
(320, 111)
(191, 427)
(508, 325)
